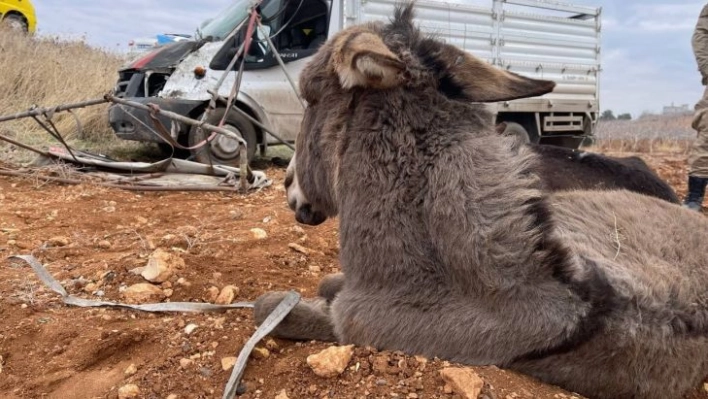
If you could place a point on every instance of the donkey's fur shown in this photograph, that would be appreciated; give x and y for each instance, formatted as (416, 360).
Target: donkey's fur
(563, 169)
(450, 248)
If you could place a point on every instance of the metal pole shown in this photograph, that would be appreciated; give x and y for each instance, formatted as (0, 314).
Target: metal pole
(58, 108)
(282, 64)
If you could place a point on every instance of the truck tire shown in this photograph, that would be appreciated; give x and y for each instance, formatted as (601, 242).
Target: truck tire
(515, 129)
(223, 150)
(15, 21)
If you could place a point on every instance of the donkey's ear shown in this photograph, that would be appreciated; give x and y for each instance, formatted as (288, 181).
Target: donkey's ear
(362, 59)
(466, 77)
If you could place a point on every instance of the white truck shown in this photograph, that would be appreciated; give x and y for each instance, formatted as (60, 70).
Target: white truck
(537, 38)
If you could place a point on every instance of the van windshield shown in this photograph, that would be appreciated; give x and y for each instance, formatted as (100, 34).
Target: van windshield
(225, 21)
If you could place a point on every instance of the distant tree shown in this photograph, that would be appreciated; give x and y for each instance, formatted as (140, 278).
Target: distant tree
(607, 115)
(624, 117)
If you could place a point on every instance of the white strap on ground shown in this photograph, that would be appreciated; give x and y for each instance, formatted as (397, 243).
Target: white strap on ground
(54, 285)
(272, 321)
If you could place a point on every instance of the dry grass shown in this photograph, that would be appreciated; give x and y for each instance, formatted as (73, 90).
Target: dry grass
(51, 71)
(654, 134)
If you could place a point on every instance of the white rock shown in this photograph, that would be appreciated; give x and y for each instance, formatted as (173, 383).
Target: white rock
(228, 362)
(130, 370)
(332, 361)
(143, 292)
(128, 391)
(161, 266)
(259, 234)
(190, 328)
(463, 381)
(58, 241)
(184, 362)
(227, 295)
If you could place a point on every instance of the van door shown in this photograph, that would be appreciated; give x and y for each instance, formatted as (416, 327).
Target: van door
(297, 28)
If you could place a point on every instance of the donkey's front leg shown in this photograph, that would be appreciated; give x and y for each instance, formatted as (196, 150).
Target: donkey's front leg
(308, 320)
(330, 286)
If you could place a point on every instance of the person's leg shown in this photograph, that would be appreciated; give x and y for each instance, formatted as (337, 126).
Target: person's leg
(698, 157)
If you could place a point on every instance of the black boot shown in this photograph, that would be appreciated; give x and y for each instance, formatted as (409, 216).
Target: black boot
(696, 191)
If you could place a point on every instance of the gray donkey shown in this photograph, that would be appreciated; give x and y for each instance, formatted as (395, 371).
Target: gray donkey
(449, 247)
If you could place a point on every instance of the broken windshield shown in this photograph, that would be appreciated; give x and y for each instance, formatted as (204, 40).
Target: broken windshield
(220, 26)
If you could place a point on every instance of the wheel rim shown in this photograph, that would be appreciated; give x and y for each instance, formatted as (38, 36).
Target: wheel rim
(224, 147)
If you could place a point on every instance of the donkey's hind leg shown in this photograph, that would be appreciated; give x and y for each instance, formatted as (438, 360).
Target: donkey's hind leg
(330, 286)
(308, 320)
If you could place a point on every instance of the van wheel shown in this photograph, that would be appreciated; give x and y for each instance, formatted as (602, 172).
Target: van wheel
(515, 129)
(16, 22)
(223, 150)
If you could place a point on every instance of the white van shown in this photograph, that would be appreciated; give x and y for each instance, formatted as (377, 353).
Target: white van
(537, 38)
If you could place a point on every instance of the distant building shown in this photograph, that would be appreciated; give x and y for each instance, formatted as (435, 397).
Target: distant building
(676, 109)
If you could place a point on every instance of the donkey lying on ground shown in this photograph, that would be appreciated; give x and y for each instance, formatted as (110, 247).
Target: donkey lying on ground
(562, 169)
(449, 247)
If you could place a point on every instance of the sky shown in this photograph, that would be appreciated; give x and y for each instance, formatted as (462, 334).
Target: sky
(646, 57)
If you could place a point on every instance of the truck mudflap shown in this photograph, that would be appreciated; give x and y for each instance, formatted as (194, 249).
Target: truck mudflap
(130, 123)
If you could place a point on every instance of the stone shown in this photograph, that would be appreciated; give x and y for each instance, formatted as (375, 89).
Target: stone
(299, 248)
(90, 288)
(298, 230)
(332, 361)
(130, 370)
(190, 328)
(228, 362)
(142, 293)
(282, 395)
(185, 362)
(227, 295)
(271, 344)
(128, 391)
(161, 266)
(171, 396)
(58, 241)
(212, 294)
(104, 244)
(259, 234)
(463, 381)
(260, 353)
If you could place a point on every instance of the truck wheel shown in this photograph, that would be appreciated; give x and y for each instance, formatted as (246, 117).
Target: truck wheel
(223, 150)
(16, 22)
(515, 129)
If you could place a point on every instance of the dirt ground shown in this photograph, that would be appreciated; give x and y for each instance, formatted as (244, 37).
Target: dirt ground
(90, 239)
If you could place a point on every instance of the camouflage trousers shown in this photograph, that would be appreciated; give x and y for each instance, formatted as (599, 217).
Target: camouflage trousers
(698, 156)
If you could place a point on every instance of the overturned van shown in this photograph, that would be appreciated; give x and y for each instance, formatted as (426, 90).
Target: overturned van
(540, 39)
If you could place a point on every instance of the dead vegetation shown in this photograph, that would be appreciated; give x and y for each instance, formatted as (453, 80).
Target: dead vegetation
(649, 135)
(49, 71)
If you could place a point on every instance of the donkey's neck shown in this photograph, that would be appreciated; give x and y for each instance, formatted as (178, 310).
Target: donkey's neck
(454, 206)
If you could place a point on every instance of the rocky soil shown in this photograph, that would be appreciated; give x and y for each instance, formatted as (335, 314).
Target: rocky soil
(201, 247)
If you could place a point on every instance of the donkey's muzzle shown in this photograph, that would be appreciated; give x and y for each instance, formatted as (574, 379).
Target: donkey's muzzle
(306, 215)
